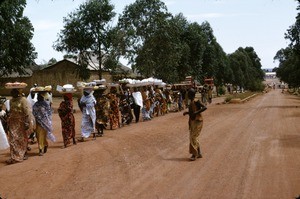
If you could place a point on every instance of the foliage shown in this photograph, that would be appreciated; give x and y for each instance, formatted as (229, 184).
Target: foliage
(87, 35)
(52, 61)
(221, 90)
(288, 70)
(289, 58)
(16, 31)
(168, 47)
(246, 68)
(146, 36)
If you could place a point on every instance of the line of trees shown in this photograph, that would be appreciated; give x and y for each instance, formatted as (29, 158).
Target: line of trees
(289, 57)
(156, 44)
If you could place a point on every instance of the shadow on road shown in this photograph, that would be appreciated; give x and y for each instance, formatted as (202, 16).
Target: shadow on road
(290, 141)
(177, 159)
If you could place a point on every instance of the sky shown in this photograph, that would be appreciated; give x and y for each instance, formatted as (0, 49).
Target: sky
(260, 24)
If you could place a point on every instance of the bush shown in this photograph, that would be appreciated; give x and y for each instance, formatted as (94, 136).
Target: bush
(228, 98)
(256, 86)
(221, 90)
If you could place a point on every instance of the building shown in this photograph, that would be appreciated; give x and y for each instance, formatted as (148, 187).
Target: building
(60, 73)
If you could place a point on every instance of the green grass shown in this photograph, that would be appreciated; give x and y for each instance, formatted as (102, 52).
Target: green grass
(239, 95)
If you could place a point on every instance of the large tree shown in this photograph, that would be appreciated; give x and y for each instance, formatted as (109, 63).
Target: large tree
(246, 69)
(288, 70)
(194, 38)
(88, 34)
(289, 58)
(16, 32)
(143, 24)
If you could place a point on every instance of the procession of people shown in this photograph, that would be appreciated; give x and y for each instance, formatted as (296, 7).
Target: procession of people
(102, 105)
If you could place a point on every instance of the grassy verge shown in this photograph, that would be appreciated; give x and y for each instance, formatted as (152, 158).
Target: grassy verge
(239, 96)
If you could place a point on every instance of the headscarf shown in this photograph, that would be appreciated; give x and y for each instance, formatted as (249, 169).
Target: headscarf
(89, 102)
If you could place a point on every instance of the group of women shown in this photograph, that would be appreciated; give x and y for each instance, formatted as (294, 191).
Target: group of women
(100, 108)
(21, 119)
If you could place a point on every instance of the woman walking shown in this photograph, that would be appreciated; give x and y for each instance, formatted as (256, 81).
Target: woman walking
(43, 116)
(18, 124)
(65, 112)
(102, 109)
(87, 107)
(138, 103)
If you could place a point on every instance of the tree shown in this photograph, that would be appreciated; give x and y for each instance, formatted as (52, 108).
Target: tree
(88, 34)
(194, 39)
(289, 58)
(141, 24)
(288, 70)
(16, 32)
(52, 61)
(246, 65)
(161, 53)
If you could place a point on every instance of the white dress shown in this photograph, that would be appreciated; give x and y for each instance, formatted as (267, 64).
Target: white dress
(3, 139)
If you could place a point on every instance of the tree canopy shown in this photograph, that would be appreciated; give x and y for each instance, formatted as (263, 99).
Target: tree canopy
(289, 58)
(156, 43)
(16, 32)
(88, 34)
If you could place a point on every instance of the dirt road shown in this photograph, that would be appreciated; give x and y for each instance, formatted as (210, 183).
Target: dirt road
(250, 151)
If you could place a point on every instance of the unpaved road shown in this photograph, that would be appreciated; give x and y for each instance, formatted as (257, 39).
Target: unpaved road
(250, 150)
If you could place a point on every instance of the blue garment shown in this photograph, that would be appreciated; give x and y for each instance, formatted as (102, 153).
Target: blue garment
(43, 115)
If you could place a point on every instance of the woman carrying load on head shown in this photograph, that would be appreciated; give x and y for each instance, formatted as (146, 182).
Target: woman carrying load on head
(102, 108)
(18, 122)
(87, 106)
(65, 112)
(43, 116)
(114, 101)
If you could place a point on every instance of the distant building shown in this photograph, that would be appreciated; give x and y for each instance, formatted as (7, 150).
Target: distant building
(270, 75)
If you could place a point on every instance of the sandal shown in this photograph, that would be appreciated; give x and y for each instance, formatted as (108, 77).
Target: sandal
(81, 139)
(193, 158)
(41, 152)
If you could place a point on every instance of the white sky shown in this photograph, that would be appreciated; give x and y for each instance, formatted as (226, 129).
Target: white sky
(236, 23)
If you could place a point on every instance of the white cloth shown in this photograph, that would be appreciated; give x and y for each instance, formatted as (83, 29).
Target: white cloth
(33, 100)
(7, 105)
(138, 99)
(3, 139)
(2, 113)
(48, 98)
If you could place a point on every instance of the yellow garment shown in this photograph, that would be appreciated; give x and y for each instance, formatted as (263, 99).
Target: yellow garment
(41, 135)
(195, 127)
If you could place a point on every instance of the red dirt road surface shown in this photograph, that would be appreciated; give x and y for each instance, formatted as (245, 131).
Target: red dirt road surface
(250, 150)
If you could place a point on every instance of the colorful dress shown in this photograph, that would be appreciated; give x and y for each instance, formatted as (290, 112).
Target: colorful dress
(114, 116)
(43, 116)
(18, 122)
(65, 112)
